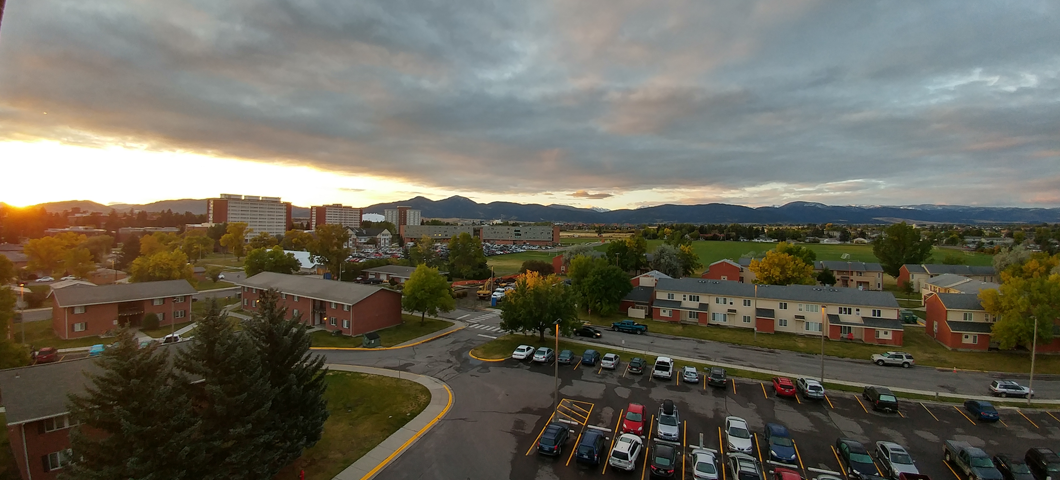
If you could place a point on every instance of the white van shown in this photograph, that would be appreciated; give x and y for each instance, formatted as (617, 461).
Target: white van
(664, 368)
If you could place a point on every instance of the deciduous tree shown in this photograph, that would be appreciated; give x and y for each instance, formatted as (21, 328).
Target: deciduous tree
(536, 303)
(781, 269)
(604, 289)
(262, 240)
(900, 244)
(466, 259)
(234, 238)
(1015, 255)
(45, 254)
(540, 266)
(158, 242)
(161, 266)
(213, 272)
(665, 259)
(1028, 290)
(826, 277)
(196, 245)
(78, 262)
(329, 248)
(99, 246)
(7, 270)
(427, 292)
(296, 240)
(130, 250)
(423, 253)
(270, 260)
(689, 260)
(798, 251)
(11, 354)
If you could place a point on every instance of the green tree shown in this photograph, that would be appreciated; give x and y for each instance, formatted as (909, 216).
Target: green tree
(11, 354)
(158, 242)
(689, 260)
(581, 266)
(798, 251)
(196, 245)
(427, 292)
(1029, 290)
(130, 250)
(423, 253)
(900, 244)
(781, 269)
(298, 409)
(604, 289)
(45, 254)
(262, 240)
(134, 420)
(536, 303)
(99, 246)
(826, 277)
(329, 248)
(78, 262)
(296, 240)
(665, 259)
(1018, 237)
(234, 399)
(466, 259)
(7, 270)
(1015, 255)
(954, 259)
(540, 266)
(270, 260)
(161, 266)
(213, 272)
(234, 239)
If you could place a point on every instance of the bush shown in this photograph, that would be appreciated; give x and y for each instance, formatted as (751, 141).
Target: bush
(150, 322)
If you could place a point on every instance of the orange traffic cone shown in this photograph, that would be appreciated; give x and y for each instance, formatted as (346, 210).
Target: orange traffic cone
(954, 369)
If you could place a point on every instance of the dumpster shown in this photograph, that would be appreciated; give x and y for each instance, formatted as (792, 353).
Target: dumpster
(371, 340)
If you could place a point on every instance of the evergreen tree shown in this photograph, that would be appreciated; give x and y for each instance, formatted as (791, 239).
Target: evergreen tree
(298, 410)
(134, 418)
(235, 397)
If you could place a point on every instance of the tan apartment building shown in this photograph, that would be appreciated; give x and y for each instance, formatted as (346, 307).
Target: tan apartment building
(261, 214)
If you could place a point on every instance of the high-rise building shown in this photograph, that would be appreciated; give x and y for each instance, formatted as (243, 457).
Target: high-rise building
(401, 216)
(335, 214)
(261, 214)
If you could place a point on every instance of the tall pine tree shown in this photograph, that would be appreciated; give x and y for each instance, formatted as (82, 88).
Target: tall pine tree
(134, 418)
(298, 410)
(233, 399)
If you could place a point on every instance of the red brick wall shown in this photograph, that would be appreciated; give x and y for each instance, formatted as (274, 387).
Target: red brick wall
(723, 269)
(380, 310)
(38, 445)
(99, 318)
(765, 325)
(656, 314)
(557, 265)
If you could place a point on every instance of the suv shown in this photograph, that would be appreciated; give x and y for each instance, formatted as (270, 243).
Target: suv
(716, 377)
(669, 426)
(1009, 388)
(893, 358)
(552, 439)
(627, 450)
(881, 398)
(637, 365)
(810, 388)
(908, 316)
(664, 368)
(590, 357)
(590, 447)
(1013, 468)
(1044, 463)
(781, 448)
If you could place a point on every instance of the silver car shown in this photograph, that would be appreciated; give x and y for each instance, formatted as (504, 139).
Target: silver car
(895, 459)
(809, 388)
(705, 464)
(898, 359)
(690, 374)
(737, 437)
(610, 361)
(669, 421)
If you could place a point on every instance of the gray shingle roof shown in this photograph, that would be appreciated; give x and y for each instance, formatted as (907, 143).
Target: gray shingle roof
(798, 293)
(960, 301)
(870, 322)
(962, 284)
(914, 268)
(640, 295)
(397, 270)
(969, 327)
(77, 295)
(939, 269)
(320, 289)
(845, 266)
(657, 274)
(702, 307)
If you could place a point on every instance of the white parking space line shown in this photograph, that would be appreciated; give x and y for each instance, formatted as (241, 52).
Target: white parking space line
(462, 316)
(487, 336)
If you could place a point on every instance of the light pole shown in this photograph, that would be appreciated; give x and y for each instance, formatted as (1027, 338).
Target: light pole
(823, 317)
(756, 313)
(1034, 346)
(22, 308)
(555, 392)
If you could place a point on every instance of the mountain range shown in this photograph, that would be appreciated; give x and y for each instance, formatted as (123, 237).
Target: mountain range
(457, 207)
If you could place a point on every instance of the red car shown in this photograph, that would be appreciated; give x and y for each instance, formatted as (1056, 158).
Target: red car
(46, 355)
(781, 473)
(783, 387)
(634, 421)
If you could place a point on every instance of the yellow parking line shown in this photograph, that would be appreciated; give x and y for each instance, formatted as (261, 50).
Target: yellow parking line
(1029, 420)
(764, 390)
(644, 469)
(684, 441)
(721, 451)
(758, 449)
(799, 457)
(963, 415)
(829, 402)
(572, 405)
(549, 422)
(1054, 416)
(704, 380)
(733, 387)
(62, 357)
(576, 442)
(601, 369)
(954, 472)
(929, 411)
(589, 415)
(1002, 422)
(576, 365)
(840, 462)
(901, 414)
(678, 380)
(799, 402)
(878, 472)
(862, 404)
(614, 438)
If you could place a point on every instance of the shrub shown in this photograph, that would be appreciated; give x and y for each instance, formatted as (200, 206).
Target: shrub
(150, 321)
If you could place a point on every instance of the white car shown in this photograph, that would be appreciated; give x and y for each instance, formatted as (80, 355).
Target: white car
(610, 361)
(45, 279)
(523, 352)
(737, 437)
(220, 276)
(705, 464)
(69, 277)
(664, 368)
(627, 450)
(171, 338)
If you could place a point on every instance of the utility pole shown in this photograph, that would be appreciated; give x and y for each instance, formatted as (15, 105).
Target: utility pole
(1034, 346)
(823, 308)
(555, 392)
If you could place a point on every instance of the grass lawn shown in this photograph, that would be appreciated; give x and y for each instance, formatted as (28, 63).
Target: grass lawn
(198, 309)
(166, 330)
(512, 262)
(40, 334)
(221, 259)
(389, 337)
(207, 284)
(365, 410)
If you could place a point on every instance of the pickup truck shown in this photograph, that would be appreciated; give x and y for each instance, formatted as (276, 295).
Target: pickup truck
(629, 326)
(974, 462)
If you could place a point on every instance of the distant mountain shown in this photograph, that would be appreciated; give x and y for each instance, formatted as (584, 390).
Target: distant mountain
(192, 205)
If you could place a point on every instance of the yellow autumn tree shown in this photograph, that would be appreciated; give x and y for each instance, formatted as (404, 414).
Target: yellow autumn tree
(1029, 291)
(781, 269)
(537, 303)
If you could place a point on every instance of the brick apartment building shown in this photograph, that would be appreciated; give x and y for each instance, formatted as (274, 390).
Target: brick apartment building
(82, 311)
(726, 269)
(959, 322)
(542, 235)
(859, 275)
(401, 216)
(352, 308)
(336, 214)
(261, 214)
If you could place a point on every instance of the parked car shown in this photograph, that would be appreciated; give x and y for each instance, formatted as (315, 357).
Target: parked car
(544, 355)
(626, 452)
(664, 368)
(171, 338)
(1009, 388)
(810, 388)
(629, 326)
(982, 410)
(1044, 463)
(744, 467)
(1013, 468)
(784, 473)
(523, 352)
(900, 359)
(669, 422)
(855, 459)
(971, 461)
(588, 331)
(881, 398)
(590, 357)
(592, 445)
(909, 316)
(220, 276)
(705, 465)
(553, 439)
(783, 387)
(46, 355)
(69, 277)
(663, 460)
(689, 374)
(717, 378)
(781, 448)
(637, 365)
(633, 422)
(566, 357)
(610, 361)
(737, 437)
(44, 279)
(895, 459)
(96, 350)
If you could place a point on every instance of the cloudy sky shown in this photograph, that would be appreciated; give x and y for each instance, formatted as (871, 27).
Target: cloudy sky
(608, 104)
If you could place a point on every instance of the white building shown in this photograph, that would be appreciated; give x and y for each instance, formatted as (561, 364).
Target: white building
(261, 214)
(335, 214)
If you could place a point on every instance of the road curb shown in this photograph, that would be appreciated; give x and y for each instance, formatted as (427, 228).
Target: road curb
(392, 447)
(457, 326)
(472, 355)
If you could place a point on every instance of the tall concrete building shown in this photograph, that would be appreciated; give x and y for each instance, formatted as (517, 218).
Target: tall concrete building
(402, 216)
(262, 214)
(335, 214)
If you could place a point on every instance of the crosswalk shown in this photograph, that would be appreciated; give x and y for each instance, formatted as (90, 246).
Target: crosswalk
(485, 328)
(482, 317)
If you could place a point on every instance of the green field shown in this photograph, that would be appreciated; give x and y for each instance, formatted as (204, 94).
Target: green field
(511, 263)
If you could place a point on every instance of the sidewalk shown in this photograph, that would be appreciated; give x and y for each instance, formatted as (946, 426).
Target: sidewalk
(373, 462)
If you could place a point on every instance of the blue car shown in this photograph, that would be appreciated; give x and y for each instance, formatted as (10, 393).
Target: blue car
(590, 357)
(96, 350)
(982, 410)
(781, 448)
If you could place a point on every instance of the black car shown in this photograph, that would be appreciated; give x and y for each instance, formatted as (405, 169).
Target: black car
(590, 357)
(881, 398)
(663, 460)
(1043, 463)
(592, 446)
(588, 331)
(637, 365)
(716, 377)
(553, 438)
(856, 460)
(1013, 468)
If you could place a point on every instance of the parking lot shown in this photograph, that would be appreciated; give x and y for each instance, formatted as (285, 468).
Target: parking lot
(597, 398)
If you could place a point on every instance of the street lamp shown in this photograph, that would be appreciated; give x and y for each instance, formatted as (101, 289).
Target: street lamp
(555, 392)
(823, 319)
(756, 313)
(22, 309)
(1034, 346)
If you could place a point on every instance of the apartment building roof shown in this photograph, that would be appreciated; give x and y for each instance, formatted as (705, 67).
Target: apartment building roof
(871, 322)
(960, 301)
(639, 295)
(938, 269)
(846, 266)
(396, 270)
(969, 327)
(730, 262)
(656, 274)
(961, 283)
(318, 288)
(81, 295)
(798, 293)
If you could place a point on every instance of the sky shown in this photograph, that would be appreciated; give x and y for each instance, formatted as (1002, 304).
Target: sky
(607, 104)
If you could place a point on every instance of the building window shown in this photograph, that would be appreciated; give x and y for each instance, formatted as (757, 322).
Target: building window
(690, 298)
(178, 314)
(669, 296)
(245, 303)
(783, 322)
(158, 301)
(844, 330)
(846, 311)
(665, 312)
(283, 295)
(972, 339)
(746, 319)
(884, 334)
(57, 460)
(80, 327)
(179, 299)
(295, 313)
(857, 311)
(747, 302)
(79, 309)
(690, 315)
(345, 324)
(162, 317)
(333, 305)
(296, 298)
(719, 317)
(967, 316)
(333, 321)
(877, 313)
(812, 326)
(722, 300)
(806, 307)
(57, 423)
(345, 308)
